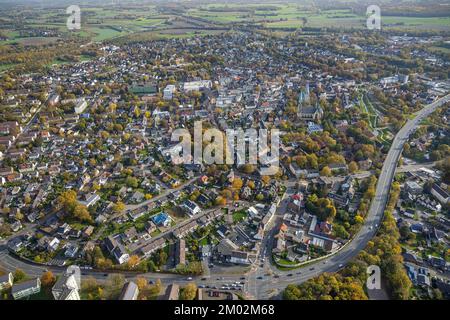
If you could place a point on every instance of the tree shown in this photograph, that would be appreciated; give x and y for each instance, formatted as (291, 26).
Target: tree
(221, 201)
(327, 287)
(248, 168)
(48, 279)
(326, 171)
(353, 167)
(68, 201)
(131, 182)
(119, 206)
(237, 183)
(133, 261)
(189, 292)
(114, 286)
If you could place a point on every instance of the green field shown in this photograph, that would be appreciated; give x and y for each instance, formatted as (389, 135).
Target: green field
(108, 22)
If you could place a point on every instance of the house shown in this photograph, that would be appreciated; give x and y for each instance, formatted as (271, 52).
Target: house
(137, 213)
(71, 250)
(151, 247)
(239, 257)
(162, 219)
(137, 197)
(440, 194)
(90, 199)
(116, 250)
(413, 188)
(150, 227)
(6, 281)
(53, 244)
(183, 230)
(26, 288)
(67, 286)
(314, 128)
(130, 291)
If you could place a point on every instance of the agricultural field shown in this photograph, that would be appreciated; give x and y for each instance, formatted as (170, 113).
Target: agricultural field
(291, 16)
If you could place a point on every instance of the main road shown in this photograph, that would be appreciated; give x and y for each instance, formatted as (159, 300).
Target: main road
(268, 286)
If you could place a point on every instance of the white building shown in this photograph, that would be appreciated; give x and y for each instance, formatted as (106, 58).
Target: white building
(80, 106)
(67, 287)
(197, 85)
(168, 92)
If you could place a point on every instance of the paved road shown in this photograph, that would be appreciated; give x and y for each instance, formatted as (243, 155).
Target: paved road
(268, 286)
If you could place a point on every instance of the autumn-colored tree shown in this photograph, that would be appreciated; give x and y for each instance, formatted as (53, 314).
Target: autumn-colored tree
(237, 183)
(48, 279)
(119, 206)
(221, 201)
(265, 179)
(353, 167)
(326, 171)
(19, 275)
(248, 168)
(189, 292)
(133, 261)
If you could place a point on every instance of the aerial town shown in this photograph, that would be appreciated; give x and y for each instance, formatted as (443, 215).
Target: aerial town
(95, 203)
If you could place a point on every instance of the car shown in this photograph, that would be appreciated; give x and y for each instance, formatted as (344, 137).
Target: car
(341, 265)
(299, 272)
(151, 282)
(105, 274)
(236, 205)
(242, 282)
(201, 286)
(276, 276)
(289, 275)
(242, 278)
(189, 278)
(259, 278)
(203, 279)
(311, 269)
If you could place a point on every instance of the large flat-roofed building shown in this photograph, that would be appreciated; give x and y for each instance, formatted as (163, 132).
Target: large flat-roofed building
(197, 85)
(26, 289)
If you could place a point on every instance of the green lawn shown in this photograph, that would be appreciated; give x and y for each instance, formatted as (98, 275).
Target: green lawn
(239, 215)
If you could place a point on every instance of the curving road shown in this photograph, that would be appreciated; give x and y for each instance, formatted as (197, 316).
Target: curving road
(260, 283)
